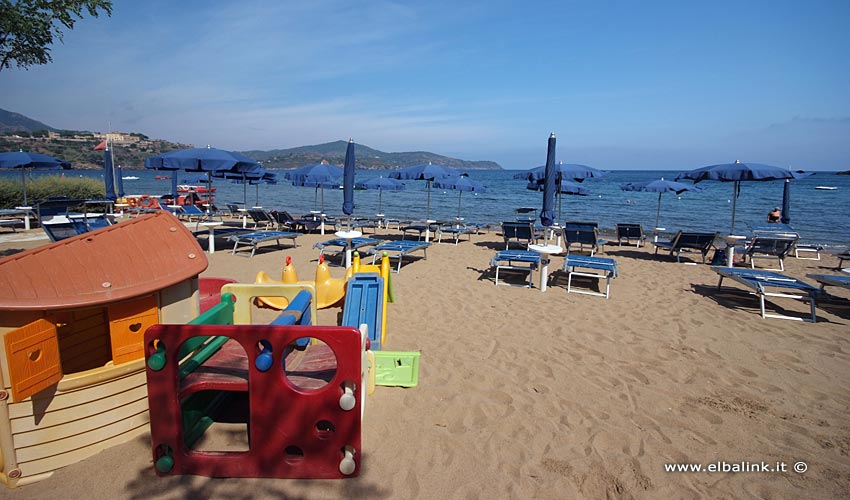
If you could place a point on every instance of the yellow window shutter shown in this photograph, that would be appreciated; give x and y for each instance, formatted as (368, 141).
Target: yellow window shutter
(33, 354)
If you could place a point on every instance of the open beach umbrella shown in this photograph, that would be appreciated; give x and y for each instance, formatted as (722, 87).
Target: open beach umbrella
(427, 173)
(206, 160)
(35, 161)
(659, 186)
(739, 172)
(380, 183)
(562, 188)
(461, 184)
(563, 171)
(348, 180)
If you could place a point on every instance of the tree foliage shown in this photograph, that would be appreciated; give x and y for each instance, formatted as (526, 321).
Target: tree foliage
(28, 27)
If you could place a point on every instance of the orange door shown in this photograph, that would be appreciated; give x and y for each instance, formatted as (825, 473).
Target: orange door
(127, 324)
(33, 354)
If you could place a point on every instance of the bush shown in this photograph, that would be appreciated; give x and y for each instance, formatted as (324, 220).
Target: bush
(12, 194)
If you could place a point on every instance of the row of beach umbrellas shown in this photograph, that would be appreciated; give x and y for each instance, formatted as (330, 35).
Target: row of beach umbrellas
(553, 179)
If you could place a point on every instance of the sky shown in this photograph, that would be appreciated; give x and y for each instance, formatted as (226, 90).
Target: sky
(651, 85)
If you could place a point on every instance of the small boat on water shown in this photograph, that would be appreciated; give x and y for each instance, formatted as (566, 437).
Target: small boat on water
(130, 178)
(186, 188)
(826, 188)
(163, 177)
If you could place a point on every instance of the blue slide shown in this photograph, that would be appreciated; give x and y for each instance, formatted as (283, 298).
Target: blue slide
(364, 304)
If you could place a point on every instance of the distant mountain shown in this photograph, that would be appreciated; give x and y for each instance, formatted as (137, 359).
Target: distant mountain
(76, 147)
(16, 122)
(367, 158)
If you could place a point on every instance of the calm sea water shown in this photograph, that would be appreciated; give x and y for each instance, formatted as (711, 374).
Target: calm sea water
(820, 216)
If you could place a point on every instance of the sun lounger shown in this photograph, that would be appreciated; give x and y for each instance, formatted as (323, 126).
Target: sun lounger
(762, 247)
(845, 255)
(778, 230)
(10, 223)
(759, 281)
(630, 232)
(577, 265)
(343, 244)
(525, 261)
(456, 231)
(253, 239)
(261, 218)
(831, 279)
(401, 248)
(700, 242)
(419, 228)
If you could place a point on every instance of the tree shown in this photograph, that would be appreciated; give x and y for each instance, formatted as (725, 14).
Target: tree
(27, 27)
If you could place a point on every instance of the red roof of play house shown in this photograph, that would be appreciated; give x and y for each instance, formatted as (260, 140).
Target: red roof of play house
(122, 261)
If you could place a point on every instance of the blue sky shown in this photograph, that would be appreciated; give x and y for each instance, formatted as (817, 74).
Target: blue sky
(623, 84)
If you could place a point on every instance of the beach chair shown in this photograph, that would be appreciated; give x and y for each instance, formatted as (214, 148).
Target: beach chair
(762, 247)
(582, 234)
(522, 233)
(779, 230)
(845, 255)
(342, 243)
(630, 232)
(759, 281)
(419, 228)
(579, 265)
(233, 210)
(524, 261)
(400, 248)
(455, 231)
(830, 279)
(191, 212)
(700, 242)
(261, 218)
(253, 239)
(10, 223)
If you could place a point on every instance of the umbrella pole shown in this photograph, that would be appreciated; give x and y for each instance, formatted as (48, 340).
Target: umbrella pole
(380, 193)
(428, 207)
(658, 210)
(209, 192)
(459, 194)
(24, 184)
(257, 201)
(734, 202)
(244, 191)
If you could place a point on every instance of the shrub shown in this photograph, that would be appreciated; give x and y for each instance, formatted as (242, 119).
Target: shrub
(12, 194)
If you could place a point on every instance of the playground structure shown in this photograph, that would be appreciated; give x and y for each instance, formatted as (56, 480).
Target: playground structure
(332, 291)
(72, 316)
(300, 408)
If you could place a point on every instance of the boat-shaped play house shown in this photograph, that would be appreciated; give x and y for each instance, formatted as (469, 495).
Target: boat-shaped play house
(73, 316)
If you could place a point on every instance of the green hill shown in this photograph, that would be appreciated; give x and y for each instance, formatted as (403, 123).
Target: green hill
(19, 132)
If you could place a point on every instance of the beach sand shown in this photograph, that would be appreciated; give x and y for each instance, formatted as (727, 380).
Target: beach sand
(524, 394)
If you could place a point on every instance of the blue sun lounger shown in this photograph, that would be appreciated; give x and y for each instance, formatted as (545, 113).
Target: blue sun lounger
(575, 265)
(255, 238)
(831, 279)
(401, 248)
(759, 281)
(342, 244)
(516, 260)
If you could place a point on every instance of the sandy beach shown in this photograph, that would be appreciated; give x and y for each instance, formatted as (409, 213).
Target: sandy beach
(524, 394)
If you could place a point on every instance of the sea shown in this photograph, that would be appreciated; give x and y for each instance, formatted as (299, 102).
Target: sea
(820, 216)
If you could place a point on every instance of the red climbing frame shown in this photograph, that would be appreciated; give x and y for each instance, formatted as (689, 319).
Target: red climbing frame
(282, 417)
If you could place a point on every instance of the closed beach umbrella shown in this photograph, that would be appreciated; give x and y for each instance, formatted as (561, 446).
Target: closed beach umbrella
(348, 180)
(785, 218)
(36, 161)
(739, 172)
(381, 183)
(659, 186)
(461, 184)
(427, 173)
(550, 179)
(109, 175)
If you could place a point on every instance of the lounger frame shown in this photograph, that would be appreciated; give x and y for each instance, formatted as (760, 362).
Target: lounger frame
(759, 280)
(608, 268)
(525, 261)
(401, 248)
(255, 238)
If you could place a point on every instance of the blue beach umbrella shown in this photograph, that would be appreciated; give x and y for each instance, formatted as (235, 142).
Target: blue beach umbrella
(785, 218)
(460, 184)
(550, 179)
(348, 180)
(659, 186)
(739, 172)
(318, 176)
(427, 173)
(381, 184)
(206, 160)
(119, 180)
(36, 161)
(109, 175)
(563, 171)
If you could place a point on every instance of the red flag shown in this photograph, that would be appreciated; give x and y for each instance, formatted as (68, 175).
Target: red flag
(101, 146)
